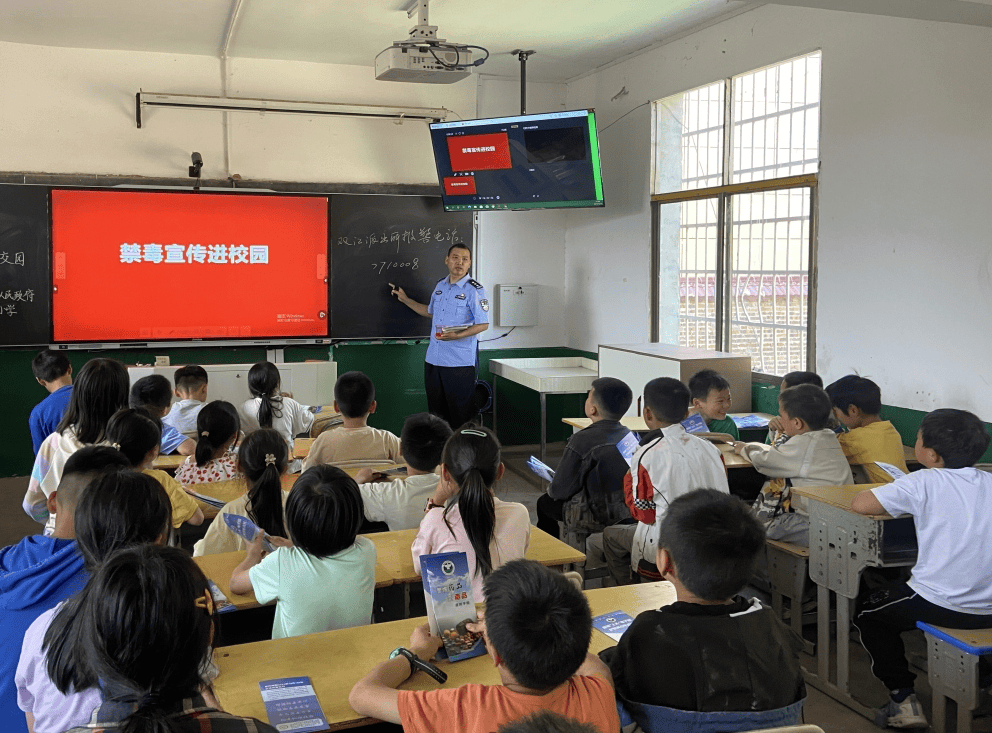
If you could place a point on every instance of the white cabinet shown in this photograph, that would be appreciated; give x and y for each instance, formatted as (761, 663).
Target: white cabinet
(311, 382)
(638, 364)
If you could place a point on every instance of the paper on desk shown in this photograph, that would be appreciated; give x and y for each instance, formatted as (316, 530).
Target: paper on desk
(750, 421)
(246, 528)
(613, 624)
(291, 705)
(893, 471)
(541, 469)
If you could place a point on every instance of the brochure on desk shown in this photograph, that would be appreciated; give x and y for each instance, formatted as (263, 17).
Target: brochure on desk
(291, 705)
(450, 606)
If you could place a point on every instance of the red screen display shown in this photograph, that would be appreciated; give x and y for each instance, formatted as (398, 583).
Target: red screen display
(173, 266)
(459, 185)
(487, 152)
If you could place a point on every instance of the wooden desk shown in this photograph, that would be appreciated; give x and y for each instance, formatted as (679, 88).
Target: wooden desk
(637, 424)
(336, 660)
(909, 453)
(169, 463)
(842, 543)
(228, 491)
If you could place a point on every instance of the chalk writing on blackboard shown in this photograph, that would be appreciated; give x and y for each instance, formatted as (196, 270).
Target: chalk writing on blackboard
(381, 267)
(24, 295)
(18, 259)
(422, 235)
(212, 254)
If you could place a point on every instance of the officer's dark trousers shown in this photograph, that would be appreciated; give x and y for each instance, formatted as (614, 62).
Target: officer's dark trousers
(449, 393)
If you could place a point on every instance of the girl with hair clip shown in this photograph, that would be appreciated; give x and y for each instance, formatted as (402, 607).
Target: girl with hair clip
(262, 459)
(119, 509)
(325, 579)
(144, 634)
(270, 408)
(136, 434)
(100, 390)
(465, 516)
(218, 428)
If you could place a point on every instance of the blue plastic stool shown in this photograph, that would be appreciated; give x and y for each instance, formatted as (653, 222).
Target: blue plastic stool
(952, 668)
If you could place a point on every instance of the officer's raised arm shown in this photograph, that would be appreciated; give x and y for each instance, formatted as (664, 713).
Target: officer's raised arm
(402, 297)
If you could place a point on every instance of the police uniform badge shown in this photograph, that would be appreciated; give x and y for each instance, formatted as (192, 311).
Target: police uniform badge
(475, 284)
(484, 304)
(460, 296)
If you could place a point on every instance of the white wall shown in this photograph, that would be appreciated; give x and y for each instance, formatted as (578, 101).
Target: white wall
(905, 262)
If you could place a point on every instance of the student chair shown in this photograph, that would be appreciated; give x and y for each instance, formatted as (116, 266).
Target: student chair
(952, 668)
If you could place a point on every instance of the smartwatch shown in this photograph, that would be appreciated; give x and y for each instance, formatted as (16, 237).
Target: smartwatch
(416, 663)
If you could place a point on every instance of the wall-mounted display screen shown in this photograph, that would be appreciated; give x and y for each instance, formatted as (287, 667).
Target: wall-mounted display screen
(525, 162)
(162, 266)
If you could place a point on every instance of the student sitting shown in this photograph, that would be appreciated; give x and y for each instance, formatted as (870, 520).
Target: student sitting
(775, 434)
(119, 509)
(39, 572)
(270, 408)
(325, 579)
(669, 463)
(52, 371)
(137, 435)
(587, 489)
(262, 460)
(354, 398)
(711, 399)
(145, 632)
(951, 506)
(191, 389)
(722, 653)
(154, 394)
(811, 457)
(537, 628)
(400, 503)
(546, 721)
(218, 428)
(857, 403)
(465, 516)
(100, 391)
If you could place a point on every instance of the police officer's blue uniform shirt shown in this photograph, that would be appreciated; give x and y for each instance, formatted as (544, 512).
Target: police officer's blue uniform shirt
(463, 303)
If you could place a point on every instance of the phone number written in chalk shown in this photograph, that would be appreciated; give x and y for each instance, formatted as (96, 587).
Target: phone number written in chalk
(381, 267)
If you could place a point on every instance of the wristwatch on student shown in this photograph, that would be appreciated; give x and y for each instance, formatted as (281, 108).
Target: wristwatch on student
(416, 663)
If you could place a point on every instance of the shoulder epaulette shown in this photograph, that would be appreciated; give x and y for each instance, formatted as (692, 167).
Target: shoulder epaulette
(441, 280)
(475, 284)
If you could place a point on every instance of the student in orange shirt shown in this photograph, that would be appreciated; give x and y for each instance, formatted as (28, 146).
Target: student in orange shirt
(543, 663)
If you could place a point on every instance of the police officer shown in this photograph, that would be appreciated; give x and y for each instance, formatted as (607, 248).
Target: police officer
(449, 372)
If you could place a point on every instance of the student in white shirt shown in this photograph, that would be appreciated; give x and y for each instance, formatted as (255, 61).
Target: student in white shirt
(269, 408)
(400, 503)
(191, 389)
(951, 506)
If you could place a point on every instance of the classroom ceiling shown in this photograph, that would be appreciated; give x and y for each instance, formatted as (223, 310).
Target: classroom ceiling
(571, 37)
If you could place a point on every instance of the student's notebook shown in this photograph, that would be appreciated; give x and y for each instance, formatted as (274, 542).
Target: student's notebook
(291, 705)
(450, 606)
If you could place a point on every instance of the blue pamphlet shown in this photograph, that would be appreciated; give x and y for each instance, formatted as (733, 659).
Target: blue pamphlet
(695, 424)
(450, 606)
(613, 624)
(246, 528)
(750, 421)
(291, 705)
(627, 445)
(222, 603)
(541, 469)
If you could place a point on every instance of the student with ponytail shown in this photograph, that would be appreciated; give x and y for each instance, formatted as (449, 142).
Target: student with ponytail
(262, 460)
(145, 628)
(218, 427)
(465, 516)
(270, 408)
(136, 434)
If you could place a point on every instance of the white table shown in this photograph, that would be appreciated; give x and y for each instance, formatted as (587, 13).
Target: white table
(556, 375)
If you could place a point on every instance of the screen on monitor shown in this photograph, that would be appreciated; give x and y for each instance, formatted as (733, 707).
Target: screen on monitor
(527, 162)
(164, 266)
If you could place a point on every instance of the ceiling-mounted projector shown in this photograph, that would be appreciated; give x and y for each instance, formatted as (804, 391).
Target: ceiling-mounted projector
(424, 58)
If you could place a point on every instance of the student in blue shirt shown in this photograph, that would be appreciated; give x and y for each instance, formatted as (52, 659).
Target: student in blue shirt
(154, 393)
(449, 371)
(52, 371)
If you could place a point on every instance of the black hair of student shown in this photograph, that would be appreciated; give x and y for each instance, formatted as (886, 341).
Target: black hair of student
(809, 403)
(49, 365)
(668, 399)
(422, 439)
(134, 432)
(263, 382)
(216, 423)
(82, 468)
(714, 540)
(140, 630)
(324, 511)
(794, 378)
(99, 390)
(354, 393)
(547, 721)
(459, 245)
(151, 391)
(705, 380)
(959, 437)
(858, 391)
(472, 457)
(538, 622)
(612, 396)
(190, 377)
(263, 458)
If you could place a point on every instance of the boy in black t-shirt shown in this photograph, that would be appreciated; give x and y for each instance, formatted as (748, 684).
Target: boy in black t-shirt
(711, 650)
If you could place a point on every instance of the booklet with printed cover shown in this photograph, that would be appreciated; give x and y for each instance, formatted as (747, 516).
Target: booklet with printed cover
(613, 624)
(292, 705)
(450, 606)
(695, 424)
(246, 528)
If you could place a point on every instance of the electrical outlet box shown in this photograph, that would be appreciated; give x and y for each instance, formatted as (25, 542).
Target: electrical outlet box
(516, 305)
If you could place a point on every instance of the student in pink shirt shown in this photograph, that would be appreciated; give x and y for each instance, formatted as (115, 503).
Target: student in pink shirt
(465, 516)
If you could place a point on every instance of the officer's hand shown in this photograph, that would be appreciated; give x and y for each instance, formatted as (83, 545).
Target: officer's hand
(398, 292)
